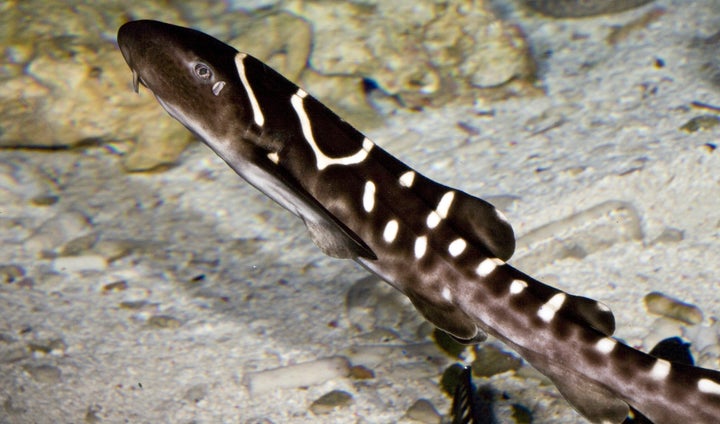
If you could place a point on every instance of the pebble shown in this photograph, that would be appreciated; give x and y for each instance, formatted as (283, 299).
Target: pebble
(577, 8)
(423, 411)
(163, 321)
(578, 235)
(328, 402)
(44, 373)
(56, 231)
(299, 375)
(664, 305)
(67, 264)
(11, 273)
(491, 360)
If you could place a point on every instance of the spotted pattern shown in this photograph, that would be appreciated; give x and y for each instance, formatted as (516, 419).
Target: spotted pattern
(457, 247)
(487, 266)
(369, 197)
(391, 231)
(660, 370)
(708, 386)
(549, 309)
(606, 345)
(420, 247)
(407, 179)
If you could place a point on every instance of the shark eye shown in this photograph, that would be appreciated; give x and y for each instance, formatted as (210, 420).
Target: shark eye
(203, 71)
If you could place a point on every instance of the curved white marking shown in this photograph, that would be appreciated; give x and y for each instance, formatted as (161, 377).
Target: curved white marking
(446, 294)
(257, 112)
(605, 345)
(420, 247)
(217, 87)
(457, 247)
(391, 231)
(549, 309)
(406, 179)
(369, 196)
(274, 157)
(445, 202)
(660, 370)
(433, 220)
(324, 161)
(517, 286)
(488, 266)
(708, 386)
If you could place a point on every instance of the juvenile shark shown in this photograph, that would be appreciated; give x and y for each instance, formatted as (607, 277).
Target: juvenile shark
(443, 248)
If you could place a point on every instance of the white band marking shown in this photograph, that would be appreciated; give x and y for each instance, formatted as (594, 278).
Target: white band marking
(457, 247)
(406, 179)
(369, 196)
(445, 202)
(517, 286)
(391, 230)
(324, 161)
(605, 345)
(708, 386)
(660, 370)
(488, 266)
(420, 247)
(548, 310)
(257, 113)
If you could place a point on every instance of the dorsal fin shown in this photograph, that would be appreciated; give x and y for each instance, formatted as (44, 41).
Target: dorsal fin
(478, 221)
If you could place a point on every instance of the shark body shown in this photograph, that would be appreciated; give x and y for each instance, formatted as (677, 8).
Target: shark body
(443, 248)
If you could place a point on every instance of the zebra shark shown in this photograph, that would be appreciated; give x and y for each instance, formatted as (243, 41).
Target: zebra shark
(446, 250)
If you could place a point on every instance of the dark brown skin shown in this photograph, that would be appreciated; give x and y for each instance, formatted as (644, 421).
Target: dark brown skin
(583, 8)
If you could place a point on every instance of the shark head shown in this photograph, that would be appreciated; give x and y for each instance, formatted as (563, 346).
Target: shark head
(191, 74)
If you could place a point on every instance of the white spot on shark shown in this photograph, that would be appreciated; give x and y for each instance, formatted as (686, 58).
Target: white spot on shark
(420, 247)
(274, 157)
(369, 196)
(708, 386)
(660, 370)
(457, 247)
(605, 345)
(391, 230)
(433, 220)
(257, 112)
(517, 286)
(445, 202)
(446, 294)
(323, 161)
(488, 266)
(406, 179)
(549, 309)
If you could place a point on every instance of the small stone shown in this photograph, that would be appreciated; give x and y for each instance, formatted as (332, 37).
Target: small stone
(196, 393)
(48, 346)
(164, 321)
(423, 411)
(11, 273)
(43, 373)
(298, 375)
(701, 123)
(331, 401)
(663, 305)
(67, 264)
(13, 354)
(56, 231)
(576, 9)
(669, 235)
(490, 360)
(115, 286)
(359, 372)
